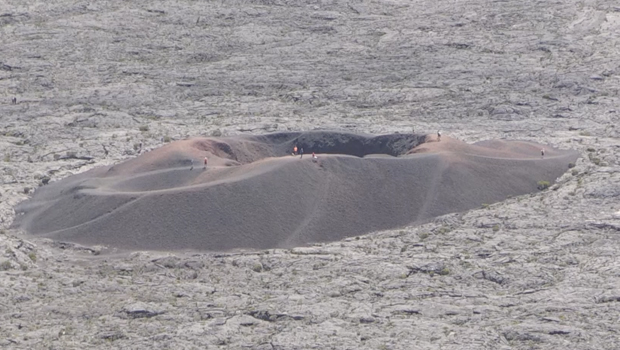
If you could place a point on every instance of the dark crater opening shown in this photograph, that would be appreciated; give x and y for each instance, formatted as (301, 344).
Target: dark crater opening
(341, 143)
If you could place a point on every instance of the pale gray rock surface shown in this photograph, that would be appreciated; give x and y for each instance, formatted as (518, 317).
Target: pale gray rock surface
(99, 82)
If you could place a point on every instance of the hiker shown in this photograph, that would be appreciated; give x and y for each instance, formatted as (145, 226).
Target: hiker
(295, 150)
(438, 136)
(314, 158)
(206, 161)
(301, 151)
(542, 152)
(14, 100)
(192, 168)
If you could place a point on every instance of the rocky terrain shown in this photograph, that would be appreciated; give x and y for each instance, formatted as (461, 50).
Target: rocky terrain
(96, 83)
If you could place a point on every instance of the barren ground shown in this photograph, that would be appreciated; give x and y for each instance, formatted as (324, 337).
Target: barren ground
(93, 80)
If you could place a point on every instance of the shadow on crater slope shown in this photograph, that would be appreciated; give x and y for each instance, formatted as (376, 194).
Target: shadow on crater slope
(255, 194)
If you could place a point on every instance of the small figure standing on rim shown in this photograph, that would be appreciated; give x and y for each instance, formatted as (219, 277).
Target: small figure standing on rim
(206, 161)
(438, 136)
(295, 150)
(542, 153)
(301, 152)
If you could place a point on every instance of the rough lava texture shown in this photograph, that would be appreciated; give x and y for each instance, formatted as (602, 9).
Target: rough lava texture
(97, 83)
(255, 194)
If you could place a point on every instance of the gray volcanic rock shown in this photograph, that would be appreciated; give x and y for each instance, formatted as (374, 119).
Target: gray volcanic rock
(90, 84)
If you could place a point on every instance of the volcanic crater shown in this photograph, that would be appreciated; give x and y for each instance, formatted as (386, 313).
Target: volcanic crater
(254, 193)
